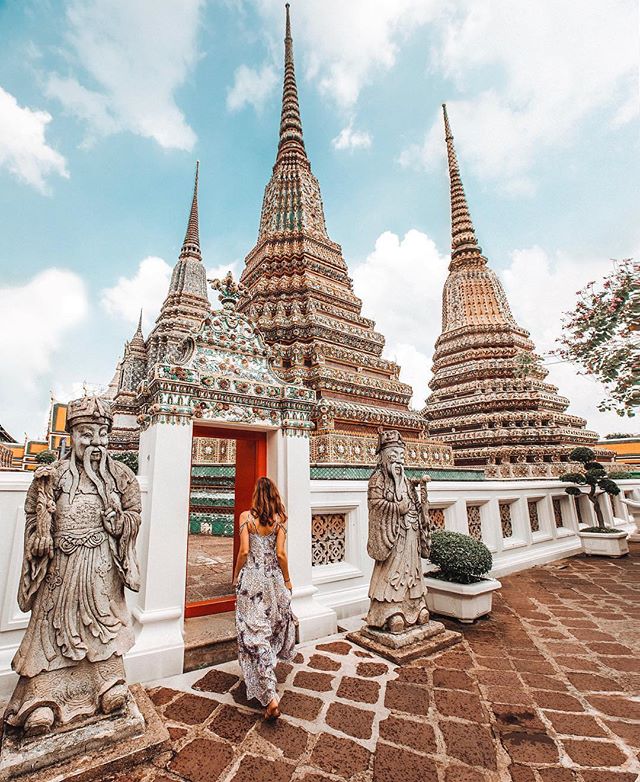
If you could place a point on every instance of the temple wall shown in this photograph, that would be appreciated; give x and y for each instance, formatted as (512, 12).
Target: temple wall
(541, 519)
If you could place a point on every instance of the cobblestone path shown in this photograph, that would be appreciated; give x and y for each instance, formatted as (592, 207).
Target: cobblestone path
(547, 690)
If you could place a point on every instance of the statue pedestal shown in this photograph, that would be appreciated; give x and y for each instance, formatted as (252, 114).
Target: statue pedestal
(91, 751)
(420, 641)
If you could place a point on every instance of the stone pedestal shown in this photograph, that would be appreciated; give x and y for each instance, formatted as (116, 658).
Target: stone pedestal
(91, 751)
(420, 641)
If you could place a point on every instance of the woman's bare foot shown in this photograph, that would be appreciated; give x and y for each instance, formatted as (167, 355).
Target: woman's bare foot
(272, 712)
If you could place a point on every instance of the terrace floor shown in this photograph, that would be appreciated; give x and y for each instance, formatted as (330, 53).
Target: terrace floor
(546, 690)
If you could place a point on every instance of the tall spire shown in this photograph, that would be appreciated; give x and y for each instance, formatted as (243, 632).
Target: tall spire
(290, 123)
(464, 244)
(191, 244)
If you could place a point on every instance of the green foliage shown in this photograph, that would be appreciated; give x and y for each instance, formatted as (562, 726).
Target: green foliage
(573, 477)
(620, 436)
(611, 487)
(602, 336)
(602, 530)
(620, 475)
(581, 454)
(574, 491)
(595, 466)
(461, 559)
(46, 457)
(130, 458)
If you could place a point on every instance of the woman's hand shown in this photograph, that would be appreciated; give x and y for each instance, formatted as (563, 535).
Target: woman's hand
(289, 585)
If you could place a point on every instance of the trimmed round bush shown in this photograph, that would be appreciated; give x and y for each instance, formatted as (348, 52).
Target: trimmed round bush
(130, 458)
(582, 454)
(46, 457)
(461, 558)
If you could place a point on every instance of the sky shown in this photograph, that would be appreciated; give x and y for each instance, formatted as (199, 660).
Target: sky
(105, 106)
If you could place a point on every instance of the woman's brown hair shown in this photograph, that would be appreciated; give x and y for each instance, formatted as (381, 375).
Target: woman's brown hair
(266, 502)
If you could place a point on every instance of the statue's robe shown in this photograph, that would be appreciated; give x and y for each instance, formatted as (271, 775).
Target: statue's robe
(79, 617)
(397, 540)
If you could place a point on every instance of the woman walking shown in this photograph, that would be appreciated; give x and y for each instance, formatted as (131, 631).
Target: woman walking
(264, 621)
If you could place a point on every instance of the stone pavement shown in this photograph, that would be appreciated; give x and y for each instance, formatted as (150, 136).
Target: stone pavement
(547, 690)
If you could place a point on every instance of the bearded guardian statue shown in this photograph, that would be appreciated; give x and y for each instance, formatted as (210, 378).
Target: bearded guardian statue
(398, 538)
(82, 521)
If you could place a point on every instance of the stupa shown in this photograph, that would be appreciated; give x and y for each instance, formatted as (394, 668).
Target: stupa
(301, 297)
(489, 398)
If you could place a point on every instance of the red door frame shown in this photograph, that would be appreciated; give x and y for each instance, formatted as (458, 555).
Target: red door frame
(251, 454)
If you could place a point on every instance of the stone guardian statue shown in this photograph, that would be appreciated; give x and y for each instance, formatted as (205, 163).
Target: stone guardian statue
(82, 521)
(398, 539)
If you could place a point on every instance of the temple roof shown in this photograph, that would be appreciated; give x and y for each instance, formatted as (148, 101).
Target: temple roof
(5, 437)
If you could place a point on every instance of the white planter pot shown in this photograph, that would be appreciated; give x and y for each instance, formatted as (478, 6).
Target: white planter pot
(465, 602)
(604, 544)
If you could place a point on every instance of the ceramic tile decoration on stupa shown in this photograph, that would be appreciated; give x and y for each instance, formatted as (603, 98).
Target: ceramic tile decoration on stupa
(489, 400)
(300, 295)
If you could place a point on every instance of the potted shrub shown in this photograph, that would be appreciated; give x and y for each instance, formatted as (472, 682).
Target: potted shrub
(599, 540)
(460, 587)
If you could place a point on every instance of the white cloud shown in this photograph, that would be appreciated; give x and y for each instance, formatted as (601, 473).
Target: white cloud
(348, 138)
(137, 54)
(35, 320)
(251, 87)
(145, 291)
(528, 75)
(401, 285)
(23, 148)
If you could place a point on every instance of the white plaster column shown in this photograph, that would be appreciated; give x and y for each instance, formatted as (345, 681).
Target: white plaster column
(288, 466)
(165, 466)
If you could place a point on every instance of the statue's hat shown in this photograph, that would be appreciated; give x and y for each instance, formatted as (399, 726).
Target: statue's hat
(389, 437)
(92, 409)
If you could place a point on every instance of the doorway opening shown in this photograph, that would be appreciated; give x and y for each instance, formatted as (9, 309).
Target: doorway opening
(225, 464)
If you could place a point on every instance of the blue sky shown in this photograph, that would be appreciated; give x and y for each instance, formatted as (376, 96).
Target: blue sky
(105, 105)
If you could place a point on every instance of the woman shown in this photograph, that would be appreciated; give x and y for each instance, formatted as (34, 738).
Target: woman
(265, 623)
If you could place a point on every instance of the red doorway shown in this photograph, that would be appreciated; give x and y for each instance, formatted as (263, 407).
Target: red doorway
(250, 464)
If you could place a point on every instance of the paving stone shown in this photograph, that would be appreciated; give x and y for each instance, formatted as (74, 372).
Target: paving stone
(298, 659)
(232, 724)
(414, 675)
(592, 775)
(313, 777)
(610, 649)
(215, 681)
(500, 678)
(409, 733)
(282, 671)
(310, 680)
(594, 753)
(391, 764)
(575, 724)
(514, 717)
(577, 663)
(625, 664)
(452, 679)
(202, 760)
(176, 733)
(323, 663)
(361, 690)
(522, 774)
(558, 701)
(454, 660)
(494, 663)
(591, 635)
(410, 698)
(161, 695)
(541, 682)
(626, 730)
(350, 720)
(339, 756)
(190, 709)
(371, 670)
(508, 695)
(616, 706)
(456, 703)
(532, 748)
(291, 740)
(361, 653)
(590, 682)
(534, 666)
(255, 769)
(557, 775)
(337, 647)
(304, 707)
(455, 773)
(472, 744)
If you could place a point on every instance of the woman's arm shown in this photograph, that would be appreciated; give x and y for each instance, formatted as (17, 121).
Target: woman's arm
(243, 551)
(281, 554)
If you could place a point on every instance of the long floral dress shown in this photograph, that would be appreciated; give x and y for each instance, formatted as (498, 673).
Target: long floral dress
(264, 620)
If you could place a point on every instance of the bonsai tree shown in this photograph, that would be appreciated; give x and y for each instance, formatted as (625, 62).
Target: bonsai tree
(596, 481)
(461, 558)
